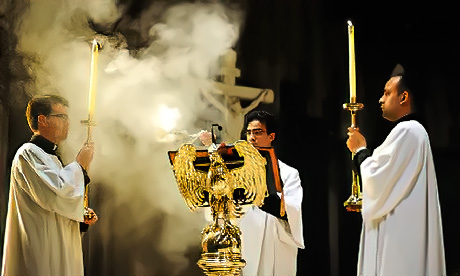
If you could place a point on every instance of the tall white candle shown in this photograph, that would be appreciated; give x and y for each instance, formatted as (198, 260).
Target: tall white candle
(93, 79)
(351, 58)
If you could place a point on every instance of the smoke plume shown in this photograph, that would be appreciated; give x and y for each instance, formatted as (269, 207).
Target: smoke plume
(152, 67)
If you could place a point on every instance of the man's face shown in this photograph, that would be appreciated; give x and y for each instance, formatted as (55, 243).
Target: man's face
(256, 134)
(390, 101)
(56, 124)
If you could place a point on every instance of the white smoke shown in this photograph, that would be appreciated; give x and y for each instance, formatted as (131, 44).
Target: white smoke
(141, 97)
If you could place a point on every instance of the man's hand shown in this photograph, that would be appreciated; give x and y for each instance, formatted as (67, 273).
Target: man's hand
(90, 216)
(355, 139)
(85, 156)
(206, 138)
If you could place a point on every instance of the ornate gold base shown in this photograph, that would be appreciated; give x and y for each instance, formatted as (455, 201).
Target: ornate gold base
(353, 204)
(220, 264)
(87, 214)
(221, 249)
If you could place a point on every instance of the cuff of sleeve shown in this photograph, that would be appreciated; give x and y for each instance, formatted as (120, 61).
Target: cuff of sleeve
(83, 227)
(272, 205)
(85, 176)
(360, 156)
(360, 149)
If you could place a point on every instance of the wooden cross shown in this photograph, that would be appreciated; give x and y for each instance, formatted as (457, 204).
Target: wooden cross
(231, 107)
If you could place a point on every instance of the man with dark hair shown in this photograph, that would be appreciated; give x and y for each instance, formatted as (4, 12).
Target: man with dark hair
(42, 234)
(270, 240)
(402, 228)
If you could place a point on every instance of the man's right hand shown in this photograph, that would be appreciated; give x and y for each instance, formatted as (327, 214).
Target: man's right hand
(206, 138)
(85, 156)
(355, 139)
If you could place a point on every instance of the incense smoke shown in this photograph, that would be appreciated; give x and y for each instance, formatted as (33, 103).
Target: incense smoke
(143, 93)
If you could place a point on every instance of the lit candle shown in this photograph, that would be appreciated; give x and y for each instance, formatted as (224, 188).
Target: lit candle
(351, 57)
(92, 82)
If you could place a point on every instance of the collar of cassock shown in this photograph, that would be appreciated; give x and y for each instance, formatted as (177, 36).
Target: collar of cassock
(45, 144)
(50, 148)
(363, 154)
(409, 117)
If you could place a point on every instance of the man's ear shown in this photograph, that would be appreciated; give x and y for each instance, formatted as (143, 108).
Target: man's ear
(42, 120)
(404, 97)
(271, 136)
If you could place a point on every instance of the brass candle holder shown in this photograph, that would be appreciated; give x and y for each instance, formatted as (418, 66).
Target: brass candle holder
(95, 47)
(87, 214)
(354, 202)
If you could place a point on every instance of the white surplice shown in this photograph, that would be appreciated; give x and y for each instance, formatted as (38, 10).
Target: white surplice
(270, 244)
(42, 235)
(402, 228)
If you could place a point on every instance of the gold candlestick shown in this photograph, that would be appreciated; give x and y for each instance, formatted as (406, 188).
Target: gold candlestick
(354, 202)
(91, 106)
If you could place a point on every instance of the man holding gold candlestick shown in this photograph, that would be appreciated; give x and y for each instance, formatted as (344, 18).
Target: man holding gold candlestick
(402, 228)
(42, 233)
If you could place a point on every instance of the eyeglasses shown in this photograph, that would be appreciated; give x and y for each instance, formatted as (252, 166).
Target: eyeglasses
(255, 132)
(65, 117)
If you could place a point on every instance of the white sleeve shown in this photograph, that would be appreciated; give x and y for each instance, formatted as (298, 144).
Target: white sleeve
(391, 172)
(293, 196)
(57, 189)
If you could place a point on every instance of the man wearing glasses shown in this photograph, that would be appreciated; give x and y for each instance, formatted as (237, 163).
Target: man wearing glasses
(270, 241)
(42, 234)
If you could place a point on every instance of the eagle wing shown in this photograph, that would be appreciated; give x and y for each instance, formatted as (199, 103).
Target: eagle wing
(191, 182)
(251, 176)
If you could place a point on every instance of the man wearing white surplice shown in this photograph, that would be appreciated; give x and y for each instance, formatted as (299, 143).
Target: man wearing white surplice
(402, 227)
(42, 234)
(270, 241)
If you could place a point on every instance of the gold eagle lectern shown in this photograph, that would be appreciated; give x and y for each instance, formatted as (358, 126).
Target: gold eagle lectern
(212, 178)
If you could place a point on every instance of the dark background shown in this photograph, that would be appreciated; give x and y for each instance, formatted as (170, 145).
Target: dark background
(300, 50)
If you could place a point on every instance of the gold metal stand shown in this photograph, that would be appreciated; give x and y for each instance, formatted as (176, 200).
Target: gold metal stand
(220, 240)
(354, 202)
(221, 249)
(87, 215)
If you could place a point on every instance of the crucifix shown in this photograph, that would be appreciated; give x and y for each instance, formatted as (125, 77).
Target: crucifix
(232, 95)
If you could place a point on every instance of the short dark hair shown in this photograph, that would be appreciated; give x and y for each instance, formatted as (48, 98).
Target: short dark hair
(42, 105)
(266, 118)
(407, 81)
(404, 85)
